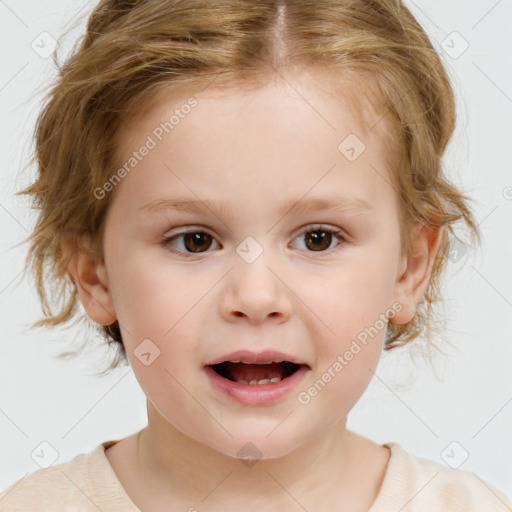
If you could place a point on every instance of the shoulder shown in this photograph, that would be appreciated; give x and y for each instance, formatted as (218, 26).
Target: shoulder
(415, 484)
(82, 484)
(45, 489)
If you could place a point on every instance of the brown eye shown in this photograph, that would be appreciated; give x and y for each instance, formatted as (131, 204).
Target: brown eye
(197, 242)
(318, 240)
(193, 242)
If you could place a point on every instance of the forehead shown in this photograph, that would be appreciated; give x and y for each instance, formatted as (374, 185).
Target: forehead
(356, 93)
(290, 133)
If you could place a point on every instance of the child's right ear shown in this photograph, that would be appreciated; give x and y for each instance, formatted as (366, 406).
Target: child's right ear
(90, 279)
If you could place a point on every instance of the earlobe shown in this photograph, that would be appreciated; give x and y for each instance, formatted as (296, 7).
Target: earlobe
(91, 281)
(414, 276)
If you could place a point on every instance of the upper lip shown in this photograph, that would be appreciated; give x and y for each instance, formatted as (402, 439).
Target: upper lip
(248, 356)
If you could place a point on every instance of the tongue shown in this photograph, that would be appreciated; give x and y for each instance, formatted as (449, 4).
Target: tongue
(248, 372)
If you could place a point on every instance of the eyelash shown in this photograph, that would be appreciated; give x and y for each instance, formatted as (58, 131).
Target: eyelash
(166, 242)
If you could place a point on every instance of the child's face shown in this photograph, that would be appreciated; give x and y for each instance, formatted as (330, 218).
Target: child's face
(252, 153)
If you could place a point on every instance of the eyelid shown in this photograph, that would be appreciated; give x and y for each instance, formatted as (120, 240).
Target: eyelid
(321, 227)
(304, 229)
(187, 229)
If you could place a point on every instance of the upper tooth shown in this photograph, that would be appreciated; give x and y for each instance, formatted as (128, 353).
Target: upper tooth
(234, 361)
(259, 382)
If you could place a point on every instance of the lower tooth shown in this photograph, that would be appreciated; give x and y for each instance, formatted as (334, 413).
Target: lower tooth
(275, 379)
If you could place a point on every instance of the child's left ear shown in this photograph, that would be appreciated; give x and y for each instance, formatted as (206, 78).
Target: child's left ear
(415, 271)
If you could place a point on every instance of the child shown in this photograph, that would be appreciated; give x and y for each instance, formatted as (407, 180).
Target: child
(239, 192)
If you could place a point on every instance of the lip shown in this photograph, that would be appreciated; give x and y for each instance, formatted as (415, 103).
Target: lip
(257, 394)
(254, 357)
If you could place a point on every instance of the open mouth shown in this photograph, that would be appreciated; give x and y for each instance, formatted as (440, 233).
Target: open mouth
(252, 374)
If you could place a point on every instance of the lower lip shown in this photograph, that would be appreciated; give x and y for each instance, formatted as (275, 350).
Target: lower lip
(257, 394)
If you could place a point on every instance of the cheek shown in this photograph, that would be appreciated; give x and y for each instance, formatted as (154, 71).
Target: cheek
(150, 297)
(353, 297)
(162, 304)
(355, 310)
(156, 308)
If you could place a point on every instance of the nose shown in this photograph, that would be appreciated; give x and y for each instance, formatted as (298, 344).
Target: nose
(255, 292)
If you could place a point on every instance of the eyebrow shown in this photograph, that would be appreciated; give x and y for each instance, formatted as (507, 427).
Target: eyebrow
(299, 206)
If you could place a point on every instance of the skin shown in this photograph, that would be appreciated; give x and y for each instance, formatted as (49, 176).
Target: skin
(255, 151)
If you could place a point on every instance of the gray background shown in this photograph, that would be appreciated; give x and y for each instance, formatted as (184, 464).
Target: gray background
(462, 409)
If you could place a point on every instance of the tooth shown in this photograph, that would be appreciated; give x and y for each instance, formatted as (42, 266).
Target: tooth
(259, 382)
(234, 361)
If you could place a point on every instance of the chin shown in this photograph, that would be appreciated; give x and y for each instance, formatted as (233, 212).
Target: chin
(257, 444)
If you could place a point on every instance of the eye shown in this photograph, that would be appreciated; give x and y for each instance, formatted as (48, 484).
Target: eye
(189, 242)
(319, 238)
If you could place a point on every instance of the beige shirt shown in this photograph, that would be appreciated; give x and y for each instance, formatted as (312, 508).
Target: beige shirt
(411, 484)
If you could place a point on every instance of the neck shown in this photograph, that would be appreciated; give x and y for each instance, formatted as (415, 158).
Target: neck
(330, 470)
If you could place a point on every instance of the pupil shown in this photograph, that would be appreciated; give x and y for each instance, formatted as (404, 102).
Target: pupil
(316, 238)
(195, 241)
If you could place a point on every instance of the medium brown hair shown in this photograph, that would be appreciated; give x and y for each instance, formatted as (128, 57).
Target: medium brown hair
(134, 49)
